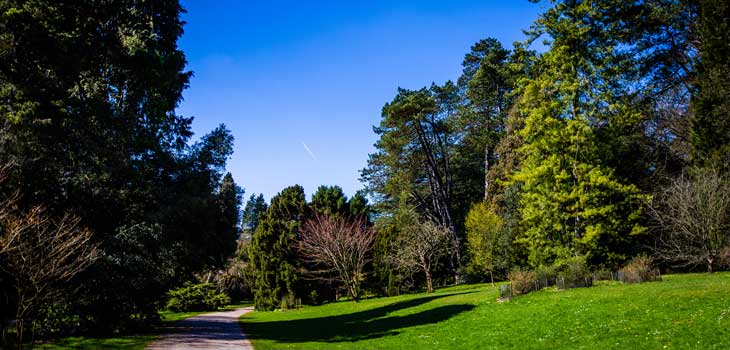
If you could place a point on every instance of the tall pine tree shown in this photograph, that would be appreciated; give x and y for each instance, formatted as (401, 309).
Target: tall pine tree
(271, 250)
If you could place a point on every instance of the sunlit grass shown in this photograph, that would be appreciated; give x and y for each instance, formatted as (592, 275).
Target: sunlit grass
(689, 311)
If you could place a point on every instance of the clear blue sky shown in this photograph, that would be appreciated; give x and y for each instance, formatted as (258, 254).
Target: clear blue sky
(281, 74)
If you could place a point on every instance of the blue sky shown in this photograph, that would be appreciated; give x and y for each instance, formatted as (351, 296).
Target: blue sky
(285, 74)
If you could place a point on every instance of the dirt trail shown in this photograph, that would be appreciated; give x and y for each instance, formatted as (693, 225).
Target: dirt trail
(217, 330)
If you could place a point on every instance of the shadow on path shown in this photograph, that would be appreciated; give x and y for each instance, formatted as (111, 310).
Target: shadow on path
(218, 330)
(356, 326)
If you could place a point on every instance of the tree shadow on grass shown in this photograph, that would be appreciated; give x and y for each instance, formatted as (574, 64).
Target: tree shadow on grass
(368, 324)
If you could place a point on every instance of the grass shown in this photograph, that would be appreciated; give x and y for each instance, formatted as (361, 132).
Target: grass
(689, 311)
(124, 342)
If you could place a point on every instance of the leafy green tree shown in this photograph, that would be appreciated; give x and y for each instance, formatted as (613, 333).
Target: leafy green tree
(486, 245)
(710, 123)
(271, 250)
(571, 201)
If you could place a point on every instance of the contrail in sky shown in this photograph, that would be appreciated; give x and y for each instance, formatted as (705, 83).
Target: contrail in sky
(311, 154)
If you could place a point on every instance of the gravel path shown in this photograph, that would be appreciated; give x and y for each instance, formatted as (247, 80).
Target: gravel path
(217, 330)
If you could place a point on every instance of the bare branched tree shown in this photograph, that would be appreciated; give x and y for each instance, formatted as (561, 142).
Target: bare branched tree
(693, 214)
(337, 247)
(41, 254)
(420, 247)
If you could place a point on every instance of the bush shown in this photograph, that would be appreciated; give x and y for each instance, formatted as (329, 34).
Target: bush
(603, 275)
(196, 297)
(547, 275)
(724, 258)
(574, 274)
(640, 269)
(522, 281)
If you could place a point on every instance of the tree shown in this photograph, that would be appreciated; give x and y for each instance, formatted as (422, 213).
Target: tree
(41, 254)
(420, 247)
(710, 122)
(694, 218)
(414, 156)
(484, 237)
(486, 85)
(88, 95)
(359, 206)
(330, 200)
(572, 202)
(272, 250)
(228, 216)
(337, 246)
(252, 213)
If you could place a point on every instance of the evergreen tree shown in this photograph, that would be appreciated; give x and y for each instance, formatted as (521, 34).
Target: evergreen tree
(359, 206)
(271, 250)
(414, 157)
(331, 201)
(252, 213)
(229, 203)
(710, 123)
(572, 202)
(485, 84)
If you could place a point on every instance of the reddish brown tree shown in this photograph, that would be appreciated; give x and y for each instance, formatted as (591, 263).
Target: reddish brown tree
(337, 248)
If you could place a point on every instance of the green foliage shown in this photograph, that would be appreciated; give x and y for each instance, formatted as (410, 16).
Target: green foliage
(572, 202)
(412, 162)
(710, 123)
(255, 208)
(228, 216)
(574, 273)
(359, 206)
(331, 201)
(88, 118)
(271, 250)
(196, 297)
(486, 243)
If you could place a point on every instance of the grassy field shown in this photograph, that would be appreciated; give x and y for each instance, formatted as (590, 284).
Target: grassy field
(690, 311)
(125, 342)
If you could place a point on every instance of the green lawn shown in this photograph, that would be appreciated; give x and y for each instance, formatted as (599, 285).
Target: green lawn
(126, 342)
(690, 311)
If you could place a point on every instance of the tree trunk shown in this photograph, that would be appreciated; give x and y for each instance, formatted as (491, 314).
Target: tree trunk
(491, 278)
(486, 172)
(354, 293)
(429, 281)
(710, 259)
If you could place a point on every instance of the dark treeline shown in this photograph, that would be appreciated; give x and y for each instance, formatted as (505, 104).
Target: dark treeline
(88, 129)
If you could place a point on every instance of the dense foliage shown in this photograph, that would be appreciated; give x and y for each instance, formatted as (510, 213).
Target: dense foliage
(607, 142)
(541, 159)
(196, 297)
(88, 92)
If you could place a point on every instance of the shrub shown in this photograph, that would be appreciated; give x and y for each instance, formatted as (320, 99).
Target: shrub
(603, 275)
(522, 281)
(547, 275)
(724, 258)
(574, 274)
(196, 297)
(640, 269)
